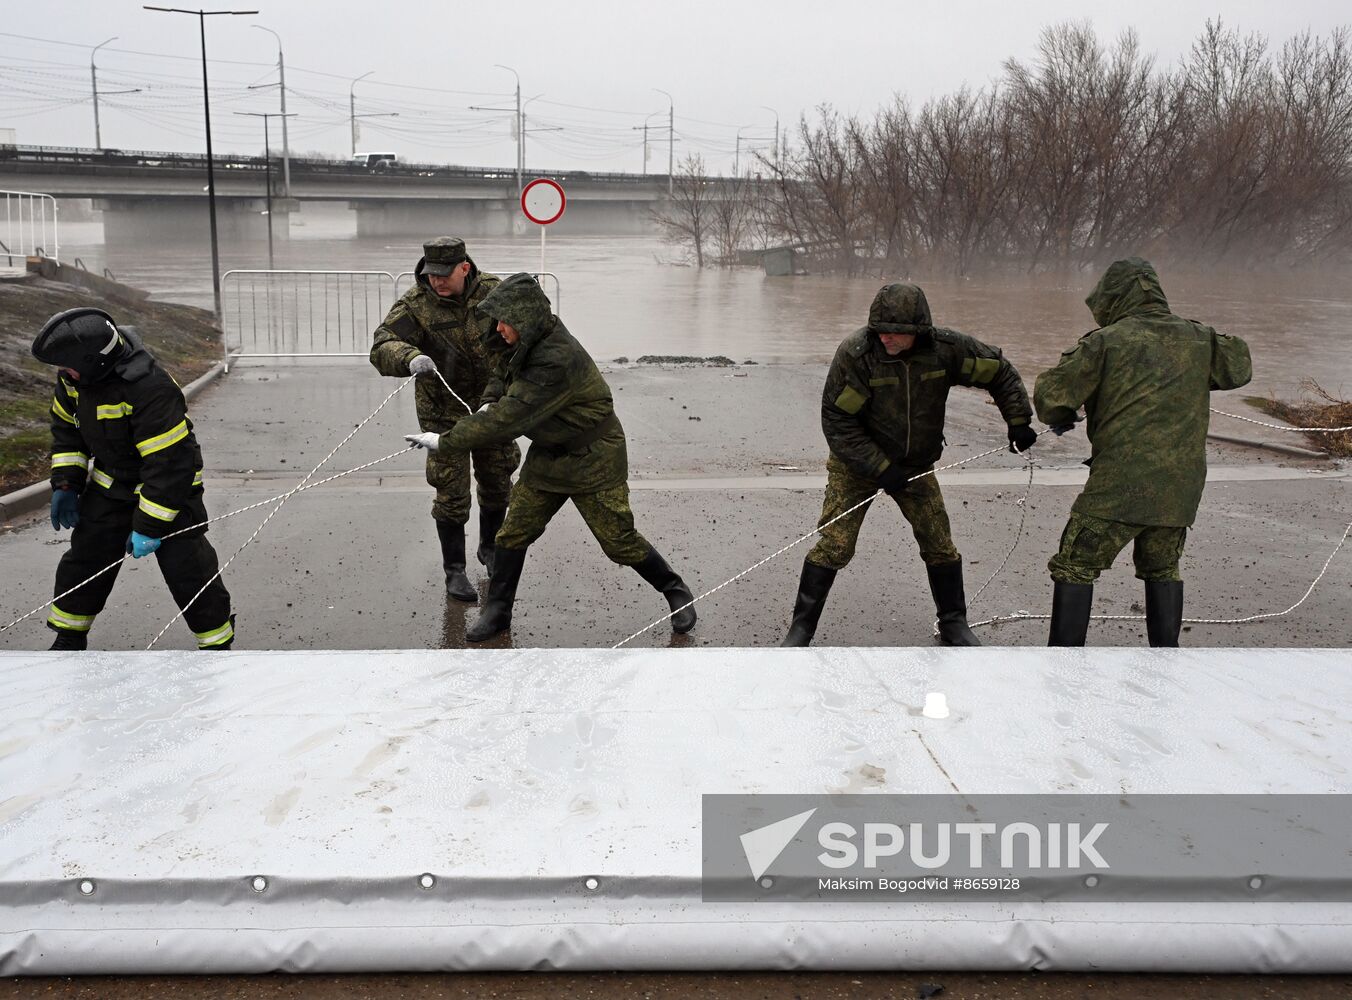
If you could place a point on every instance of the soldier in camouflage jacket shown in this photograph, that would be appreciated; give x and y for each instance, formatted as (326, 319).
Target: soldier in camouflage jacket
(549, 389)
(883, 417)
(433, 329)
(1144, 378)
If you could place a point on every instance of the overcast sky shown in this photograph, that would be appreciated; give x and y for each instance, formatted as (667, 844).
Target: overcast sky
(595, 62)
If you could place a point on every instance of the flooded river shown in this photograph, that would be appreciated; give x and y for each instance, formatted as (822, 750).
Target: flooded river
(627, 296)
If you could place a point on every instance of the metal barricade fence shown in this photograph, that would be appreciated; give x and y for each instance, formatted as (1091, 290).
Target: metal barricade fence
(302, 314)
(30, 226)
(404, 279)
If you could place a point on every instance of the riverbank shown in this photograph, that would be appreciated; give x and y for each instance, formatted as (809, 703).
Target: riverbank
(185, 339)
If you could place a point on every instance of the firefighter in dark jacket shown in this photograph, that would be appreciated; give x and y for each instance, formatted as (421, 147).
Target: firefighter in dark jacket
(115, 405)
(883, 417)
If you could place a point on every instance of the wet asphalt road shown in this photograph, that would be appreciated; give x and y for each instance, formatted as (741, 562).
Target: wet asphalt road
(355, 565)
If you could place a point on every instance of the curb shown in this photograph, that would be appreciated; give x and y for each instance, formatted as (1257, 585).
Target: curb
(1282, 449)
(29, 498)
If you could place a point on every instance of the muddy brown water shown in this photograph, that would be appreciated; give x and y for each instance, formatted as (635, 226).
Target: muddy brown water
(626, 296)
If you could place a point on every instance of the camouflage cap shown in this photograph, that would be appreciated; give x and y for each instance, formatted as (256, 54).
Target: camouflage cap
(900, 308)
(441, 255)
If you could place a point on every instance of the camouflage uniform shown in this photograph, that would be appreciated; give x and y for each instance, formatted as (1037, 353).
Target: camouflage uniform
(1144, 378)
(549, 389)
(552, 392)
(448, 331)
(880, 411)
(883, 417)
(921, 504)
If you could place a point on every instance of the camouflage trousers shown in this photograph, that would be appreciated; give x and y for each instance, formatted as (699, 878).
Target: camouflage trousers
(606, 512)
(1090, 544)
(921, 503)
(448, 472)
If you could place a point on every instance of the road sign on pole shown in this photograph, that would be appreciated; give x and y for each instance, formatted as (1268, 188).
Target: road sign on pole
(543, 202)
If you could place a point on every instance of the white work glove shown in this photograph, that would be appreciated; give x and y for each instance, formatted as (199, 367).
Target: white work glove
(422, 365)
(429, 441)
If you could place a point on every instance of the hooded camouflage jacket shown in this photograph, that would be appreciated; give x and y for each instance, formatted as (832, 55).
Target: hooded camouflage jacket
(448, 332)
(1144, 379)
(552, 393)
(879, 409)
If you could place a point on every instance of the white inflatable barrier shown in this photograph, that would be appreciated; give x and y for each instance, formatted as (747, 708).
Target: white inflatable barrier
(541, 809)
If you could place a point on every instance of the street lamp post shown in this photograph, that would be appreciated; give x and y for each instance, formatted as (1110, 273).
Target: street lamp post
(286, 145)
(352, 108)
(772, 111)
(94, 88)
(267, 168)
(644, 128)
(671, 141)
(202, 16)
(520, 127)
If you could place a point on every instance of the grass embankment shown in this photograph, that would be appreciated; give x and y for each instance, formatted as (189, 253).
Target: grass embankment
(1317, 408)
(183, 338)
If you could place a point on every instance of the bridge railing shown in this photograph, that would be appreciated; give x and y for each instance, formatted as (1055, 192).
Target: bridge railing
(403, 281)
(29, 226)
(302, 314)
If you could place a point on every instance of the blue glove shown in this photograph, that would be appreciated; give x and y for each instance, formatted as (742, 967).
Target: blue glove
(65, 509)
(139, 545)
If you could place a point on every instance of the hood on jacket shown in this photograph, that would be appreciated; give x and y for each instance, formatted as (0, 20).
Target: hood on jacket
(521, 303)
(1129, 287)
(900, 308)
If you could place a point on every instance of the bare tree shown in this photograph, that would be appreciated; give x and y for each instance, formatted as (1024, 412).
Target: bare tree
(687, 217)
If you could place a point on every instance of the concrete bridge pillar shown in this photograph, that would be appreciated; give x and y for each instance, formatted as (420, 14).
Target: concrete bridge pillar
(178, 220)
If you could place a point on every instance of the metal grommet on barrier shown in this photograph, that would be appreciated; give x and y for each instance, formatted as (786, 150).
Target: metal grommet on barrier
(1256, 882)
(259, 883)
(87, 887)
(426, 880)
(1091, 881)
(767, 882)
(592, 883)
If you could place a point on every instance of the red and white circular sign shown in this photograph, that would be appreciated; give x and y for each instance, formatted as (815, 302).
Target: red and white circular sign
(543, 202)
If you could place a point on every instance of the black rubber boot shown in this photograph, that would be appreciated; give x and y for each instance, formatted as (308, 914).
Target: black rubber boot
(453, 561)
(68, 639)
(490, 523)
(496, 615)
(950, 604)
(663, 579)
(1070, 613)
(1163, 611)
(813, 586)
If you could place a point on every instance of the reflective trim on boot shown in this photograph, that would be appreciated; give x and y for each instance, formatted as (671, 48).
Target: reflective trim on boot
(490, 523)
(665, 581)
(813, 585)
(496, 615)
(1163, 611)
(950, 604)
(1070, 613)
(458, 585)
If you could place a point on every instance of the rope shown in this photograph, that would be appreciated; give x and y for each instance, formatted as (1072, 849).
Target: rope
(280, 503)
(452, 391)
(1247, 619)
(1283, 427)
(798, 541)
(203, 524)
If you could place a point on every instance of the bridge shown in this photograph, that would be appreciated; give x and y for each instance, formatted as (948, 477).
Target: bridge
(163, 195)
